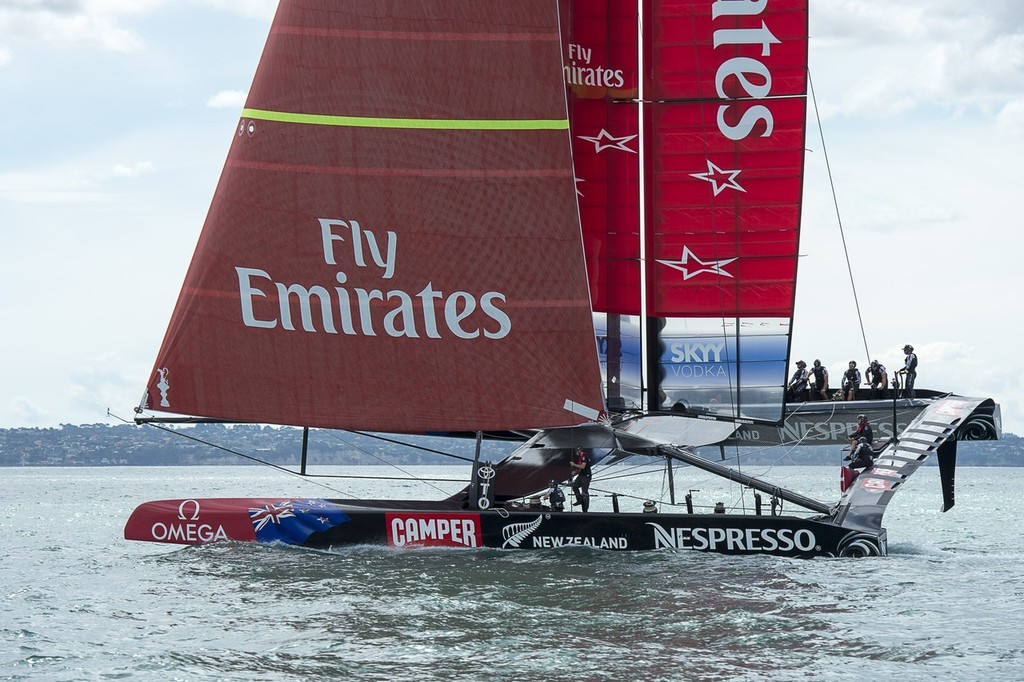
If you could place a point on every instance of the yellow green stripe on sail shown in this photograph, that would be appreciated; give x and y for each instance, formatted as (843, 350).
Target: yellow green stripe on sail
(407, 123)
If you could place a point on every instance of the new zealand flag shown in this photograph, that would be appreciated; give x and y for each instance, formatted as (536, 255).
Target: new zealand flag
(293, 521)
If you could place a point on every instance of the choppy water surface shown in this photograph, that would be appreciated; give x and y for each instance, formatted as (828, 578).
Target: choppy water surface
(81, 603)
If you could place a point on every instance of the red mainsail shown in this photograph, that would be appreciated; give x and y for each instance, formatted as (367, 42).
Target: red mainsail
(394, 242)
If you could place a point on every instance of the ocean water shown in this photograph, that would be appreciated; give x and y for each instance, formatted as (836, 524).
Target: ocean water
(81, 603)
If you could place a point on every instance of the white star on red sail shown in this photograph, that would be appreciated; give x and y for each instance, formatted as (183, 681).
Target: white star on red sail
(691, 266)
(719, 179)
(605, 140)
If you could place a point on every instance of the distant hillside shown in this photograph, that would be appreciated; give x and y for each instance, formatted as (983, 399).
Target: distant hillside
(217, 444)
(127, 445)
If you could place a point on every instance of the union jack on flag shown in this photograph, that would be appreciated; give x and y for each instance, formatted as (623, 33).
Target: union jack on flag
(293, 521)
(270, 513)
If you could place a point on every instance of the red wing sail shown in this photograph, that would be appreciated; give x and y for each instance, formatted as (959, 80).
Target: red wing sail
(724, 159)
(394, 242)
(727, 148)
(600, 50)
(601, 74)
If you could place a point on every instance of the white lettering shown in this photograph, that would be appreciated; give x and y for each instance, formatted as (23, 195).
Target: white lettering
(748, 36)
(450, 532)
(737, 8)
(360, 238)
(193, 533)
(753, 78)
(747, 122)
(771, 540)
(697, 352)
(497, 314)
(246, 291)
(355, 310)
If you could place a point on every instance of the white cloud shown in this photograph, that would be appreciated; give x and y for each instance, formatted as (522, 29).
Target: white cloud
(70, 24)
(1011, 117)
(69, 183)
(260, 9)
(98, 23)
(942, 53)
(28, 412)
(227, 99)
(130, 171)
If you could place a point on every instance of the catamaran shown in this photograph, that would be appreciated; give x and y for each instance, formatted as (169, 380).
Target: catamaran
(574, 223)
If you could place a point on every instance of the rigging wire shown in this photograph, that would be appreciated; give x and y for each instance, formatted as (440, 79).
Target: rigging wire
(308, 477)
(233, 452)
(839, 219)
(392, 464)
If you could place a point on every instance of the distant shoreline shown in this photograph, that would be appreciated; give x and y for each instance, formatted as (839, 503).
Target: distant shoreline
(101, 445)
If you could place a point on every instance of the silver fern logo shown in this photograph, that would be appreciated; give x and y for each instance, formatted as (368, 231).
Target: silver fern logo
(515, 533)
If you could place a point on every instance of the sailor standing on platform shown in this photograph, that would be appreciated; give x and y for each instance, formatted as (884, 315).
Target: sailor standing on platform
(910, 370)
(820, 374)
(582, 462)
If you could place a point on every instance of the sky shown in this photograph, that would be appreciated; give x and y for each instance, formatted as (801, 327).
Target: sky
(116, 117)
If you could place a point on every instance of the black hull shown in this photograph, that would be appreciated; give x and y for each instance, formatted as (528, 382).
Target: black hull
(717, 533)
(332, 524)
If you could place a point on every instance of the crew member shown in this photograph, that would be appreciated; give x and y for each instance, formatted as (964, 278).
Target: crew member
(798, 383)
(582, 463)
(851, 381)
(554, 496)
(861, 458)
(862, 432)
(820, 374)
(878, 378)
(910, 370)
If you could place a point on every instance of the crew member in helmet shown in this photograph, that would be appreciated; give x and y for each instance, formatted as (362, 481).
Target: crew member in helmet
(796, 385)
(851, 381)
(820, 374)
(878, 378)
(862, 432)
(554, 496)
(863, 457)
(909, 371)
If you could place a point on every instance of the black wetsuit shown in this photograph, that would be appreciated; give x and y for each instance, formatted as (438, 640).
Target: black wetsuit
(911, 369)
(820, 380)
(581, 484)
(876, 375)
(556, 498)
(863, 457)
